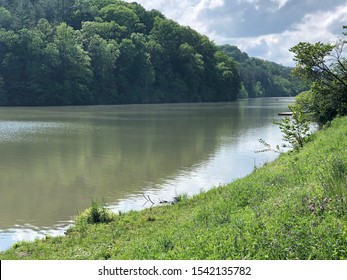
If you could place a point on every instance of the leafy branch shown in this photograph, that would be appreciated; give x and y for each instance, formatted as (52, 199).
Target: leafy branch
(295, 131)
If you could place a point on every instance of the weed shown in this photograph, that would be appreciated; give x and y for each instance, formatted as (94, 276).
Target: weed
(333, 179)
(95, 214)
(268, 148)
(180, 198)
(150, 219)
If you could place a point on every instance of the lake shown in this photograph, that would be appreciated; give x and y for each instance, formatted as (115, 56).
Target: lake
(56, 160)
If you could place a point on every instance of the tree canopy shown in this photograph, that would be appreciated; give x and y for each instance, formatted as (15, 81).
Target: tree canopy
(263, 78)
(72, 52)
(324, 67)
(59, 52)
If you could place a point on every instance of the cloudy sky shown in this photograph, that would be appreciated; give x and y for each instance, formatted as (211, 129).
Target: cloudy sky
(262, 28)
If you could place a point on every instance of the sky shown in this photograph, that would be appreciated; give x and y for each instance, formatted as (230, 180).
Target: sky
(263, 28)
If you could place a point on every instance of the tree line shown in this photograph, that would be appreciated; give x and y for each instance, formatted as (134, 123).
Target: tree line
(261, 78)
(57, 52)
(61, 52)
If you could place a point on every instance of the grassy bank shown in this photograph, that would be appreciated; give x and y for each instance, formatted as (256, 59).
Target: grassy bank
(292, 208)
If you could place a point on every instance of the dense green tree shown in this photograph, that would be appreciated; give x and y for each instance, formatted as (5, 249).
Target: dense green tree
(21, 65)
(124, 16)
(60, 52)
(106, 30)
(142, 69)
(134, 64)
(73, 73)
(259, 90)
(5, 18)
(263, 78)
(192, 68)
(167, 34)
(324, 67)
(169, 71)
(40, 67)
(104, 55)
(228, 76)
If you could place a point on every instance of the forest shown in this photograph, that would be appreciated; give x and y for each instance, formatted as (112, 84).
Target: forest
(261, 78)
(80, 52)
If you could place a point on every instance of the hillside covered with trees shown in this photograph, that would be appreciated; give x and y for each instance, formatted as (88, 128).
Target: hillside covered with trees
(263, 78)
(62, 52)
(59, 52)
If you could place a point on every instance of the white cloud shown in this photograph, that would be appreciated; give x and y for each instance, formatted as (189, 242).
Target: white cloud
(315, 27)
(215, 4)
(280, 3)
(263, 28)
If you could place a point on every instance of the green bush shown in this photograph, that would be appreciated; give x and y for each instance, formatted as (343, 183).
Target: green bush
(95, 214)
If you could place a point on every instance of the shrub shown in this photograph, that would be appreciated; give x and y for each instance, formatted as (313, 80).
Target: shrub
(96, 214)
(295, 131)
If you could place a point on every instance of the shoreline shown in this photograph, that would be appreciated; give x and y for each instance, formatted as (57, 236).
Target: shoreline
(282, 210)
